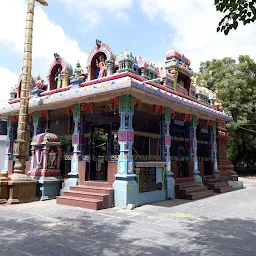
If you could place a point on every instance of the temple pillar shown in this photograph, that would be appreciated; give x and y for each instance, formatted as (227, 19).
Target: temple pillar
(4, 191)
(125, 186)
(33, 158)
(36, 122)
(73, 175)
(193, 148)
(59, 150)
(165, 152)
(45, 157)
(214, 149)
(110, 66)
(8, 147)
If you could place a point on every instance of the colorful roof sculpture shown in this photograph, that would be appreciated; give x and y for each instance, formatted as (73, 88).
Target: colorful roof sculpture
(45, 138)
(172, 84)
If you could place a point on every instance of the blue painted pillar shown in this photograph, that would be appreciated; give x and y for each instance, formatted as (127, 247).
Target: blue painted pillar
(36, 123)
(73, 175)
(8, 146)
(214, 149)
(125, 186)
(165, 152)
(193, 149)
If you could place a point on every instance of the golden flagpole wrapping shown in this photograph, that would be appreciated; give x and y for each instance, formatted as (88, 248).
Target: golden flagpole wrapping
(21, 145)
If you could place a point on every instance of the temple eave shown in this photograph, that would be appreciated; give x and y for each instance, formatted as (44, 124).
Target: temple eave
(103, 91)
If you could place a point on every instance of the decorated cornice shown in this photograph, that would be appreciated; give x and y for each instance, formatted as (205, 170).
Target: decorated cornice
(182, 101)
(180, 67)
(111, 84)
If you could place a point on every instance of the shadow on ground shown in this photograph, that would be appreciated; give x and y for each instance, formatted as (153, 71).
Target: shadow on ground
(65, 231)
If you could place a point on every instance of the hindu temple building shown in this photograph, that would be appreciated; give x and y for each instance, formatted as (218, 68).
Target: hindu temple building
(122, 132)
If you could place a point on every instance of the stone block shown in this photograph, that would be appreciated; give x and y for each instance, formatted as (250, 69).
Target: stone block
(235, 184)
(125, 191)
(22, 191)
(48, 188)
(4, 191)
(130, 207)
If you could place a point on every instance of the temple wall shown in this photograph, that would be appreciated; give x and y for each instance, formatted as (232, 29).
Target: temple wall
(2, 150)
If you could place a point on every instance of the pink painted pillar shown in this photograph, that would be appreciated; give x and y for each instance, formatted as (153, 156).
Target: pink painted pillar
(33, 157)
(45, 157)
(58, 158)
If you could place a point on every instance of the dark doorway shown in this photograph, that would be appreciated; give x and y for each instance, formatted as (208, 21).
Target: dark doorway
(179, 151)
(100, 151)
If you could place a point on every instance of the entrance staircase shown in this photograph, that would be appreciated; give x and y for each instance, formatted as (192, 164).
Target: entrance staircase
(91, 195)
(216, 185)
(191, 190)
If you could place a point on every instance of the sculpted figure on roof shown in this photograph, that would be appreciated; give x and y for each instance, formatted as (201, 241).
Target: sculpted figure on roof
(102, 66)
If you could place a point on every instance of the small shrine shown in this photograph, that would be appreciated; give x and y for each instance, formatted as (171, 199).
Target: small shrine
(45, 164)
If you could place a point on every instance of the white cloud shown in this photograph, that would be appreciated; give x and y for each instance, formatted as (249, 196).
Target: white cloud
(8, 80)
(193, 26)
(92, 12)
(48, 37)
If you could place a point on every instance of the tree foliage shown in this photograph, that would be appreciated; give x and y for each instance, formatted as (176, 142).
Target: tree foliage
(236, 84)
(235, 11)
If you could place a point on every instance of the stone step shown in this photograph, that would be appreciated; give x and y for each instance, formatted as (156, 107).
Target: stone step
(99, 196)
(194, 188)
(223, 189)
(217, 184)
(97, 184)
(209, 181)
(182, 193)
(199, 194)
(93, 189)
(93, 204)
(184, 180)
(185, 185)
(208, 177)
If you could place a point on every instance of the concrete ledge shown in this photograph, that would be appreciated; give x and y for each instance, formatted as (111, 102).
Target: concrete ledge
(4, 190)
(22, 191)
(235, 184)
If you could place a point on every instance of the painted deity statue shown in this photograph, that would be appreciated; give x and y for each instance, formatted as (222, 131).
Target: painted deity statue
(182, 83)
(39, 82)
(78, 70)
(58, 78)
(218, 103)
(102, 66)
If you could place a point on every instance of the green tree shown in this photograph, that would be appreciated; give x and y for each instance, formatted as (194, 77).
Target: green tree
(236, 83)
(235, 11)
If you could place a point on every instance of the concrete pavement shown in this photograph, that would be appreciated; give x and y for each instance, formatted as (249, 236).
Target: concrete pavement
(224, 224)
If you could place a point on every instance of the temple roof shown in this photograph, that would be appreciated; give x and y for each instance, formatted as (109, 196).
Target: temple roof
(45, 138)
(115, 85)
(175, 54)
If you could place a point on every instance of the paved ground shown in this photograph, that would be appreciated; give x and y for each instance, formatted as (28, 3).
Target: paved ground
(220, 225)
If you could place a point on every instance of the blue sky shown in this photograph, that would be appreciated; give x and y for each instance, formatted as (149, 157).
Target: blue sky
(147, 28)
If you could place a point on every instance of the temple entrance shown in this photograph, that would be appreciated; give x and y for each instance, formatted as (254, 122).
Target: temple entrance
(204, 149)
(180, 147)
(100, 151)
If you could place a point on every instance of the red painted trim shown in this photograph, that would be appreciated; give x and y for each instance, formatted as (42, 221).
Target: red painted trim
(131, 75)
(44, 173)
(55, 91)
(16, 100)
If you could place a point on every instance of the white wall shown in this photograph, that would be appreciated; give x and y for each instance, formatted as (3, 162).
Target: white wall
(2, 150)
